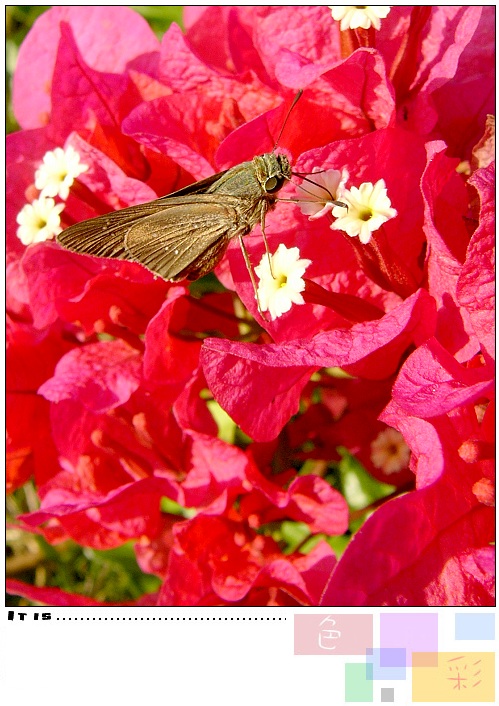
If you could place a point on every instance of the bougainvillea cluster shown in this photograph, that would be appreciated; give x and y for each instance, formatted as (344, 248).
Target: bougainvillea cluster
(384, 350)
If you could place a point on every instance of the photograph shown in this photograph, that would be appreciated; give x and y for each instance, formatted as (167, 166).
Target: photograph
(250, 321)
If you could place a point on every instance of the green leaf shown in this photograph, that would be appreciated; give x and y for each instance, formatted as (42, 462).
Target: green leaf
(160, 17)
(170, 507)
(226, 426)
(359, 488)
(293, 534)
(339, 544)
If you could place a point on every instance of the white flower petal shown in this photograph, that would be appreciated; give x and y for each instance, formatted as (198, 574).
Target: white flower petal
(280, 289)
(368, 208)
(353, 16)
(59, 170)
(39, 221)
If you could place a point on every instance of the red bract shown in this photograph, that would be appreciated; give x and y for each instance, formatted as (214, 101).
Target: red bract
(446, 519)
(426, 548)
(446, 211)
(100, 376)
(31, 356)
(269, 378)
(104, 521)
(475, 285)
(347, 416)
(108, 41)
(216, 562)
(432, 382)
(308, 499)
(118, 381)
(343, 105)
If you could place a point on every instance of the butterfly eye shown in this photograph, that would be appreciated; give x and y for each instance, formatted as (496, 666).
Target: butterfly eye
(273, 184)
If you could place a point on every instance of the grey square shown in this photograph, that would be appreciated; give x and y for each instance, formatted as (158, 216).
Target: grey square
(387, 695)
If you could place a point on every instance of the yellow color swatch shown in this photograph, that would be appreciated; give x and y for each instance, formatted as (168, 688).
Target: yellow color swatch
(455, 677)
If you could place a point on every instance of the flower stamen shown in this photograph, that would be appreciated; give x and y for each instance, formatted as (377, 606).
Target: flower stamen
(389, 452)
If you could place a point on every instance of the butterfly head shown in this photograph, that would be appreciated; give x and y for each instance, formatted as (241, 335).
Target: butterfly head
(272, 170)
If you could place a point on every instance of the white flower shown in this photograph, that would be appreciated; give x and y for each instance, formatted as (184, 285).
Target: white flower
(58, 171)
(280, 288)
(368, 208)
(328, 187)
(389, 451)
(354, 16)
(39, 221)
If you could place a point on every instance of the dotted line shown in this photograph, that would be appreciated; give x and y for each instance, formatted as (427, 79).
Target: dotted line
(178, 619)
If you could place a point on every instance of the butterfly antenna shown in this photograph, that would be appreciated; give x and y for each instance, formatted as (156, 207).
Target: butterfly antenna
(307, 191)
(295, 101)
(310, 193)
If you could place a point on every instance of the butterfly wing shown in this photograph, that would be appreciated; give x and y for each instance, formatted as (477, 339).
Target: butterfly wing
(198, 187)
(187, 238)
(104, 236)
(176, 237)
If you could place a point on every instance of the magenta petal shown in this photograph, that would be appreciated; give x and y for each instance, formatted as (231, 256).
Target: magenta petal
(179, 67)
(170, 125)
(82, 96)
(464, 101)
(107, 38)
(106, 180)
(424, 437)
(95, 292)
(217, 471)
(403, 553)
(107, 520)
(260, 385)
(306, 31)
(168, 360)
(31, 356)
(54, 277)
(100, 376)
(431, 382)
(315, 568)
(259, 398)
(284, 574)
(366, 99)
(206, 30)
(476, 283)
(324, 509)
(448, 32)
(446, 208)
(308, 499)
(183, 71)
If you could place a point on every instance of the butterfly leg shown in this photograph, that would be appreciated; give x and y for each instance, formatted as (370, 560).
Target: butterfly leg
(252, 275)
(262, 226)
